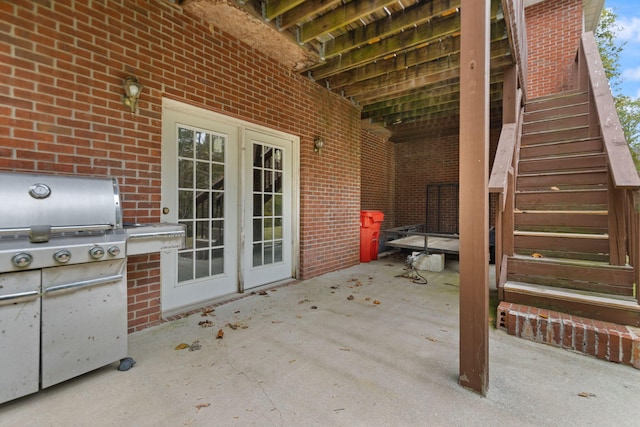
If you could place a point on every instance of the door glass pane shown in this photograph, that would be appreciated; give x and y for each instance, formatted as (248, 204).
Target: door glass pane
(217, 261)
(257, 230)
(201, 172)
(257, 179)
(185, 173)
(217, 154)
(202, 264)
(202, 146)
(203, 177)
(202, 204)
(277, 251)
(267, 204)
(277, 182)
(185, 204)
(185, 269)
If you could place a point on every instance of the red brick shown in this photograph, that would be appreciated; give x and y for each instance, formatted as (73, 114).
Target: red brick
(614, 346)
(590, 339)
(627, 348)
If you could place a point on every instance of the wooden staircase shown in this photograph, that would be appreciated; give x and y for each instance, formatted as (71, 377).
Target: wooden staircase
(561, 246)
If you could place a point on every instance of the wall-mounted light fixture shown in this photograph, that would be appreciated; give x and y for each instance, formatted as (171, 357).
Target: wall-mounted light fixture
(132, 89)
(318, 143)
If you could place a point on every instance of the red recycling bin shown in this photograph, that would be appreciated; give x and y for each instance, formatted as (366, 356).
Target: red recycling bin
(369, 234)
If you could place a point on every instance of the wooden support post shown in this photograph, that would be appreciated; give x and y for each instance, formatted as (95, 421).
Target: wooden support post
(509, 95)
(474, 195)
(617, 226)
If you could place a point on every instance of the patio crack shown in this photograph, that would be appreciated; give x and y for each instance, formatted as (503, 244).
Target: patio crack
(258, 383)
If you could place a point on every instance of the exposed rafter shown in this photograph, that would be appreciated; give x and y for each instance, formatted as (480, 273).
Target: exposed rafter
(399, 60)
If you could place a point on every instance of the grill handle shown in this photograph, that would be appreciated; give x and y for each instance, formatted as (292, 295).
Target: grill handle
(19, 297)
(59, 229)
(84, 284)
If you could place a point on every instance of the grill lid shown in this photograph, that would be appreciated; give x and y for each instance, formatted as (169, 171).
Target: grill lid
(39, 204)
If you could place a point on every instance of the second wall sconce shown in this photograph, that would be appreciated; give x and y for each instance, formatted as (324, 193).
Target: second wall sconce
(318, 143)
(132, 89)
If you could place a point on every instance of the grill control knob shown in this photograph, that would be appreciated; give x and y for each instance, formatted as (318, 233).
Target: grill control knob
(114, 251)
(22, 259)
(96, 252)
(62, 255)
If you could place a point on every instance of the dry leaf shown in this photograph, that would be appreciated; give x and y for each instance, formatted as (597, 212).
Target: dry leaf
(207, 311)
(182, 346)
(205, 323)
(431, 339)
(367, 299)
(537, 255)
(350, 297)
(202, 405)
(375, 301)
(586, 394)
(554, 188)
(263, 293)
(220, 334)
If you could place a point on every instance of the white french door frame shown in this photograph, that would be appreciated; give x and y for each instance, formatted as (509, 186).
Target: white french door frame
(244, 128)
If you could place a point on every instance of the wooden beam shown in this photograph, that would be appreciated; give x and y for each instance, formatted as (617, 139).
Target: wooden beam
(412, 38)
(304, 12)
(341, 17)
(278, 7)
(411, 79)
(417, 14)
(474, 196)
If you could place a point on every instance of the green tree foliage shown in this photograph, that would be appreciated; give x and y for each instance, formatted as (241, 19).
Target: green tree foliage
(610, 50)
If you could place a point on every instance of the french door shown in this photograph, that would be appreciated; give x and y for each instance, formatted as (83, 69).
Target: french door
(268, 206)
(233, 189)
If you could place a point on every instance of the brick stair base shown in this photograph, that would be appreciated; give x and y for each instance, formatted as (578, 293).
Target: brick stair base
(604, 340)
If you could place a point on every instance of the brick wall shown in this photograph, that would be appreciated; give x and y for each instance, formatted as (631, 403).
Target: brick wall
(378, 176)
(428, 162)
(62, 63)
(419, 163)
(604, 340)
(553, 32)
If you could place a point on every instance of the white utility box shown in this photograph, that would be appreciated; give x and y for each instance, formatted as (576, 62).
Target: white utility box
(430, 262)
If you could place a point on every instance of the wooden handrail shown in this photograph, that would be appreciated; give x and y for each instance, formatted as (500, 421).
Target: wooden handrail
(623, 170)
(624, 182)
(504, 159)
(514, 15)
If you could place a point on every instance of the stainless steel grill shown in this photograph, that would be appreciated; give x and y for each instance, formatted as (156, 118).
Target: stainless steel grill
(63, 292)
(49, 221)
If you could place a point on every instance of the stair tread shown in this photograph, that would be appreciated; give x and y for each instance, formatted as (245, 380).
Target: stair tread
(563, 172)
(564, 141)
(556, 211)
(595, 236)
(570, 262)
(595, 298)
(551, 131)
(554, 96)
(562, 157)
(573, 190)
(546, 119)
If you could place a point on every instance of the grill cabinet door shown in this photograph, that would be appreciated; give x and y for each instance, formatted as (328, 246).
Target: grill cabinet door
(19, 334)
(84, 318)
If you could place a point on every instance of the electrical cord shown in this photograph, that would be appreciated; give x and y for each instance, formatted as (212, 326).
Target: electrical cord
(414, 276)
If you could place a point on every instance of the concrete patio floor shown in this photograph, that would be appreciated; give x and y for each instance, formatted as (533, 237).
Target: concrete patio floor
(358, 347)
